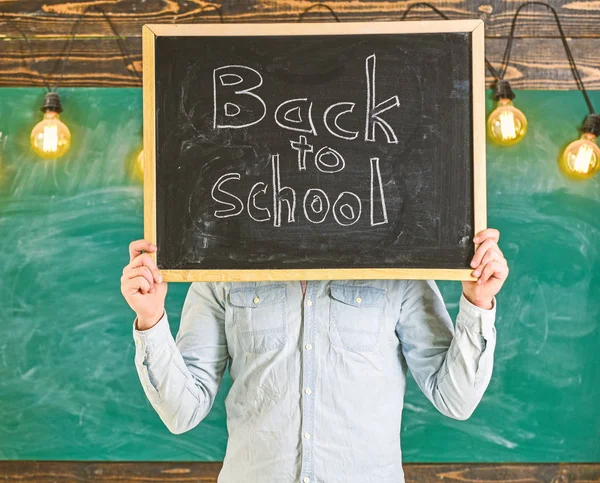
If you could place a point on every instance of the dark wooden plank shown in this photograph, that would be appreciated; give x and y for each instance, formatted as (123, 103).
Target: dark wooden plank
(505, 473)
(93, 62)
(107, 472)
(54, 17)
(184, 472)
(542, 63)
(535, 63)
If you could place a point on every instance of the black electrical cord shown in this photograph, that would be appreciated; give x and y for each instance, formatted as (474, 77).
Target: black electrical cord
(122, 48)
(315, 5)
(424, 4)
(490, 67)
(563, 37)
(499, 76)
(69, 45)
(218, 9)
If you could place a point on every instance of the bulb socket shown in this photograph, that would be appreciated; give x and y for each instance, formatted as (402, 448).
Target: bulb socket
(591, 125)
(52, 103)
(503, 90)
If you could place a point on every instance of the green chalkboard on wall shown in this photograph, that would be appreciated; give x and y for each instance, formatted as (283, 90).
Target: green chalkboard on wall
(68, 384)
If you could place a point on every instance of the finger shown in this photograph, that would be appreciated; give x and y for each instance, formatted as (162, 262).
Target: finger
(486, 234)
(136, 284)
(142, 271)
(481, 251)
(493, 269)
(492, 254)
(146, 260)
(136, 247)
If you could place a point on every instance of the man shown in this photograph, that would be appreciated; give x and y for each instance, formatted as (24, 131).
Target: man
(318, 367)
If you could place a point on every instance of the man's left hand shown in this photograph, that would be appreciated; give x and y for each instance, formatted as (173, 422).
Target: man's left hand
(491, 268)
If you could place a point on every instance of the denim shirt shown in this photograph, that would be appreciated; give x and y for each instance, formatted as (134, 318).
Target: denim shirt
(318, 379)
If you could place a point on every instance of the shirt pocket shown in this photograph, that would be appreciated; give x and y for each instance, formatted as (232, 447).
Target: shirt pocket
(355, 316)
(259, 315)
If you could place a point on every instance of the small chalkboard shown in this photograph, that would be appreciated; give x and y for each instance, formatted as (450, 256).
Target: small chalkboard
(314, 151)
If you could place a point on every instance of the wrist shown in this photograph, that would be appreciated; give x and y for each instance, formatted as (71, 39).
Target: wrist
(482, 303)
(145, 322)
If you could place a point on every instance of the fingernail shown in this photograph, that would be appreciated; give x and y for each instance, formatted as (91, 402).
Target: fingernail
(153, 246)
(473, 264)
(152, 290)
(476, 273)
(159, 279)
(475, 239)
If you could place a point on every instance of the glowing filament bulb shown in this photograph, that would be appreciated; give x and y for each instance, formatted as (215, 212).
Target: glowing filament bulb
(506, 124)
(581, 159)
(51, 138)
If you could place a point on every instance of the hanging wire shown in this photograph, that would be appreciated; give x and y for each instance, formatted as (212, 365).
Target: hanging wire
(315, 5)
(34, 61)
(498, 75)
(490, 67)
(124, 52)
(424, 4)
(563, 37)
(69, 46)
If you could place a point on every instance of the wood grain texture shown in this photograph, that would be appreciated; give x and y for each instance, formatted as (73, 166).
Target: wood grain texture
(149, 108)
(535, 64)
(53, 17)
(315, 274)
(479, 150)
(178, 472)
(538, 60)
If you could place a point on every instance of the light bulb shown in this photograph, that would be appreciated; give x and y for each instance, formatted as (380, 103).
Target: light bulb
(581, 158)
(506, 124)
(51, 138)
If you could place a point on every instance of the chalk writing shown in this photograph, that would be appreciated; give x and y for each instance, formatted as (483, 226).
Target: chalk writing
(237, 103)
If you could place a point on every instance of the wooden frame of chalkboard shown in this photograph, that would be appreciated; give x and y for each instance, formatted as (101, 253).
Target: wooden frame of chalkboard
(475, 30)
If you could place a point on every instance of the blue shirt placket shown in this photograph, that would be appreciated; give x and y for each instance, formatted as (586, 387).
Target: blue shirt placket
(308, 383)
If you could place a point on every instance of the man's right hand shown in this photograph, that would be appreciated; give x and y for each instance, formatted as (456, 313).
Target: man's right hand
(142, 285)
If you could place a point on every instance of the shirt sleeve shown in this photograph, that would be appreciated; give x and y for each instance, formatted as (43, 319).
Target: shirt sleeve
(452, 366)
(181, 376)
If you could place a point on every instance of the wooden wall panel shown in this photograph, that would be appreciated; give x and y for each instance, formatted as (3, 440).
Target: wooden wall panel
(97, 62)
(53, 17)
(538, 60)
(174, 472)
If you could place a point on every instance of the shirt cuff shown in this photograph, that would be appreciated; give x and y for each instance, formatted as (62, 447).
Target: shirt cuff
(474, 317)
(155, 336)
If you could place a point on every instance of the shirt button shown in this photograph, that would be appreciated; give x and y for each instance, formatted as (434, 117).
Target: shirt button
(306, 479)
(309, 302)
(307, 435)
(358, 300)
(307, 390)
(308, 347)
(256, 300)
